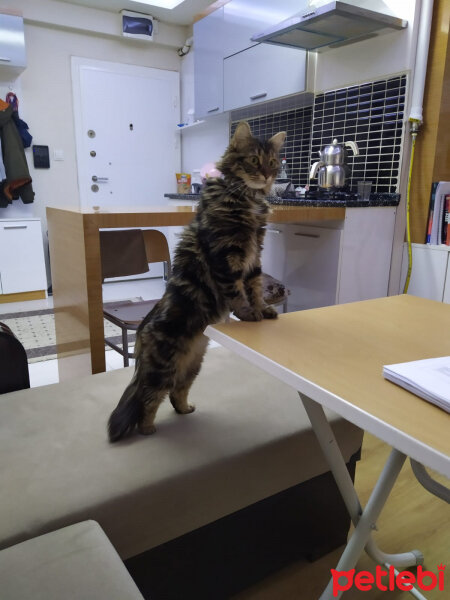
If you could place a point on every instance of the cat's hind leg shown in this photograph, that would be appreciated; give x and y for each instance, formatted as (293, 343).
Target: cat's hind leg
(151, 402)
(188, 367)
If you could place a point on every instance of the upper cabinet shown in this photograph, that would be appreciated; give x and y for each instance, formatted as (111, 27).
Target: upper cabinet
(231, 71)
(12, 47)
(208, 64)
(263, 72)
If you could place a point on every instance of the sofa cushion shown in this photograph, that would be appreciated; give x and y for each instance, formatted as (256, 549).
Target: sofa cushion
(77, 562)
(248, 439)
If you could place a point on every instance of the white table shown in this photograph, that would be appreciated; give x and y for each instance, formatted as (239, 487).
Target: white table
(334, 357)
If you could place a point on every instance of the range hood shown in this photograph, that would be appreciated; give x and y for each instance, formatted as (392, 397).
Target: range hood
(329, 26)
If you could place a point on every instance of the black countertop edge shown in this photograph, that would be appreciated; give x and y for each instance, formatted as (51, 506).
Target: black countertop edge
(182, 196)
(375, 200)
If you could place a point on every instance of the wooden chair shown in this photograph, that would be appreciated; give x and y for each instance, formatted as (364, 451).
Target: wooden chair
(274, 291)
(128, 315)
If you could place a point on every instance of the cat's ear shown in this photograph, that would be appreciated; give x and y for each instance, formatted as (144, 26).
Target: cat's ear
(277, 140)
(242, 134)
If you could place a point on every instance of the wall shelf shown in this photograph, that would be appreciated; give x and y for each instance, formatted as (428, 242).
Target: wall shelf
(183, 127)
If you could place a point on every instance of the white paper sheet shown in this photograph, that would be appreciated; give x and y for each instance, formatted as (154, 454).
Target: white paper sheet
(429, 379)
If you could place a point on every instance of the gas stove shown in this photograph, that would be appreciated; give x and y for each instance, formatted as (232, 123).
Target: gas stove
(344, 195)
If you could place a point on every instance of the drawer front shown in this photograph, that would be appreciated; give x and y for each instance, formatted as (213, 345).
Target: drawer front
(306, 259)
(312, 266)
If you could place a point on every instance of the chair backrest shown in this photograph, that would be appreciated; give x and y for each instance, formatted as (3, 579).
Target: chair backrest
(156, 246)
(122, 253)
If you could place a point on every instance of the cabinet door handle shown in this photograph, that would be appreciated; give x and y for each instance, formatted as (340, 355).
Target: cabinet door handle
(213, 109)
(5, 59)
(309, 235)
(15, 227)
(273, 231)
(257, 96)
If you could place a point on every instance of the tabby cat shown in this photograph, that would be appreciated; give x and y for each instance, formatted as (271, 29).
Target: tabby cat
(216, 270)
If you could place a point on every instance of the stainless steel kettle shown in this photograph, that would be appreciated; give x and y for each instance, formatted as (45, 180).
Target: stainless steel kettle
(332, 170)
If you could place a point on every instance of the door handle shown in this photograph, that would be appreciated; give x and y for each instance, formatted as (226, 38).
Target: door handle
(273, 231)
(15, 227)
(308, 235)
(100, 179)
(5, 59)
(213, 109)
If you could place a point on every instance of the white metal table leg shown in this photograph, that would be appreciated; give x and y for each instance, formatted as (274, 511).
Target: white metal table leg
(344, 482)
(368, 518)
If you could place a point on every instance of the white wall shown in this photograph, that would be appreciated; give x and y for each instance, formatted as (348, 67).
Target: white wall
(45, 89)
(206, 142)
(54, 32)
(374, 58)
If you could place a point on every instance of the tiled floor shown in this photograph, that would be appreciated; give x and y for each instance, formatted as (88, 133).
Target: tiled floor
(46, 372)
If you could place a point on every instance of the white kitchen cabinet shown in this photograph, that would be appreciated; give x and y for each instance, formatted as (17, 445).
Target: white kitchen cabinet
(306, 259)
(22, 263)
(446, 294)
(262, 72)
(244, 18)
(208, 64)
(12, 46)
(430, 274)
(231, 71)
(332, 262)
(366, 252)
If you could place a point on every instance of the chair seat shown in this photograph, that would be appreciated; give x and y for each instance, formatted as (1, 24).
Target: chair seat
(274, 291)
(128, 313)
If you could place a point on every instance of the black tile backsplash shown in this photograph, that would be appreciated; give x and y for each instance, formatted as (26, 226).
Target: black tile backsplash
(371, 114)
(298, 124)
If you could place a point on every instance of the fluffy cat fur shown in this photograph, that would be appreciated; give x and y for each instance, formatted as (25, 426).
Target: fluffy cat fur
(216, 270)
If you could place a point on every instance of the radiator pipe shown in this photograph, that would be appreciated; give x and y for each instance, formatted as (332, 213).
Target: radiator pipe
(186, 47)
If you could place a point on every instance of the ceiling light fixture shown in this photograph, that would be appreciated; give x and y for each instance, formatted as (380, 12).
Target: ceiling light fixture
(160, 3)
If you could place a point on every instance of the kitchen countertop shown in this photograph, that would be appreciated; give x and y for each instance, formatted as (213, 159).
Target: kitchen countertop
(375, 200)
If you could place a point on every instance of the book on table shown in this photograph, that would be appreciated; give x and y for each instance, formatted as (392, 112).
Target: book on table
(446, 221)
(428, 378)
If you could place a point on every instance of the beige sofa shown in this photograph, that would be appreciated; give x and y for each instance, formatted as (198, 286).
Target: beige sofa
(73, 563)
(248, 440)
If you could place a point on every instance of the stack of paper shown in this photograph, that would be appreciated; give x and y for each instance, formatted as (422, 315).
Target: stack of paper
(429, 379)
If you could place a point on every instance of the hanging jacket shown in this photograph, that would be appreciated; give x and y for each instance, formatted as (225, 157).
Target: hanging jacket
(18, 180)
(22, 128)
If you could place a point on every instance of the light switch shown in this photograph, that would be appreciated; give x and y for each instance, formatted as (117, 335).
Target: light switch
(58, 154)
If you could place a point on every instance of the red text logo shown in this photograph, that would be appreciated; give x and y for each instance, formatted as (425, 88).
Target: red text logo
(387, 579)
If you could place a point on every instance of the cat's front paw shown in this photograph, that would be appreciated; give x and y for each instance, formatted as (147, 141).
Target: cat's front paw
(248, 314)
(269, 312)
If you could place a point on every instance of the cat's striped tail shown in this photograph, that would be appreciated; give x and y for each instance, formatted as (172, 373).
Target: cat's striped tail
(127, 413)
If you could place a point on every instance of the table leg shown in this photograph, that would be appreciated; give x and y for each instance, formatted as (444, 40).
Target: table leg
(364, 521)
(77, 293)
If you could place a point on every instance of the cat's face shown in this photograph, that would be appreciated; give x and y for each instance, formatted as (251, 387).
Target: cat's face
(256, 163)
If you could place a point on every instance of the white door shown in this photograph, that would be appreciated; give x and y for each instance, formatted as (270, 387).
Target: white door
(128, 148)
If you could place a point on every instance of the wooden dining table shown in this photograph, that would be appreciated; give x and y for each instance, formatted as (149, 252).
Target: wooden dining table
(334, 357)
(74, 243)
